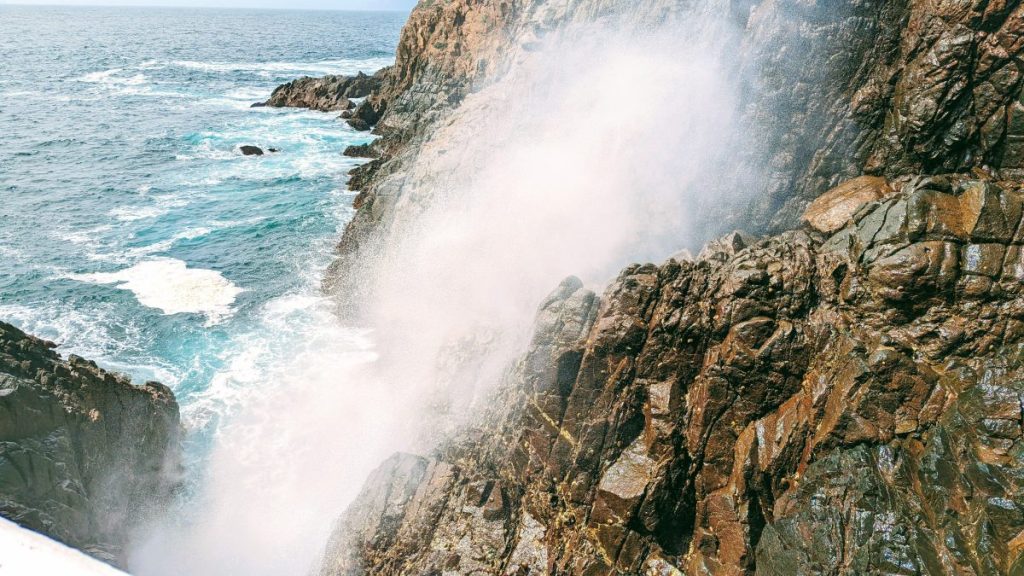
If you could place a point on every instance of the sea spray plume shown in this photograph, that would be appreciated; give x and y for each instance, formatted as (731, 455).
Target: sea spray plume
(594, 156)
(593, 152)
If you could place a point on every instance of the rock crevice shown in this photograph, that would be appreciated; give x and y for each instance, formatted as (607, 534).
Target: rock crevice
(804, 404)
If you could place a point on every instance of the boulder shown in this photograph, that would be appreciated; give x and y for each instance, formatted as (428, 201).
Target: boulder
(361, 151)
(85, 456)
(251, 150)
(833, 209)
(364, 116)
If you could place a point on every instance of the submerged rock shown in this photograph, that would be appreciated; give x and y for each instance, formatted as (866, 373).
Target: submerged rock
(85, 456)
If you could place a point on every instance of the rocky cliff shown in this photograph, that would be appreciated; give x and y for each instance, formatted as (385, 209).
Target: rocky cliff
(843, 403)
(832, 90)
(839, 398)
(85, 456)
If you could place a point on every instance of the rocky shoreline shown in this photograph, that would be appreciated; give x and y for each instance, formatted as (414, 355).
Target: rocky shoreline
(841, 396)
(85, 456)
(838, 398)
(811, 403)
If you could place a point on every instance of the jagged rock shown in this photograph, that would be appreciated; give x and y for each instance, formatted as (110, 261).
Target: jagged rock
(364, 117)
(843, 89)
(832, 210)
(327, 94)
(726, 247)
(836, 401)
(251, 150)
(361, 151)
(85, 456)
(792, 405)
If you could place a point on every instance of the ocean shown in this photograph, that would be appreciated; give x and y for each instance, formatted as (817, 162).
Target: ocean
(132, 230)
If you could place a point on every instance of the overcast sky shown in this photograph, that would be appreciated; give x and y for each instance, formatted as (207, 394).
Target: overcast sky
(304, 4)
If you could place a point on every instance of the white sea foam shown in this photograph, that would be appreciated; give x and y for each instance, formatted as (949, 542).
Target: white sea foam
(171, 286)
(111, 77)
(338, 66)
(133, 213)
(85, 237)
(101, 76)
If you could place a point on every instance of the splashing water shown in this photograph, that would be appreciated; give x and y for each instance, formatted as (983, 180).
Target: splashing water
(601, 158)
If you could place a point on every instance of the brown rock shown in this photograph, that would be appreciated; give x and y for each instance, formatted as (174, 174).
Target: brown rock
(833, 209)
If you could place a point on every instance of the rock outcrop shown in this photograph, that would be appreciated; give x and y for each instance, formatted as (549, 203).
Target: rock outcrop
(85, 456)
(883, 88)
(843, 397)
(326, 94)
(805, 404)
(832, 90)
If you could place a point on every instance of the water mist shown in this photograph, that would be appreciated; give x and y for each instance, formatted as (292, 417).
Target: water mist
(593, 152)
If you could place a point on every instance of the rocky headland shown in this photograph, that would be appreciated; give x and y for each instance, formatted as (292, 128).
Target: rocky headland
(331, 94)
(838, 397)
(85, 456)
(839, 392)
(810, 403)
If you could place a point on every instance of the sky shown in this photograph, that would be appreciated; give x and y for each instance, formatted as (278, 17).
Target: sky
(291, 4)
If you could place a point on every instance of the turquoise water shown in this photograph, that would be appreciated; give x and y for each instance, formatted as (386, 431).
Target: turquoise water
(132, 231)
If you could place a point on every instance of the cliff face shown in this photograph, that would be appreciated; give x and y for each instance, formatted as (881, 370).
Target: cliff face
(85, 456)
(888, 88)
(832, 90)
(842, 398)
(806, 404)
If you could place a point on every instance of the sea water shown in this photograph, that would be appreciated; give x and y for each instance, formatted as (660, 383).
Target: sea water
(132, 230)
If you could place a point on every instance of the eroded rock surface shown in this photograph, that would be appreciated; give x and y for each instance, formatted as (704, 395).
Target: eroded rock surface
(326, 94)
(804, 404)
(85, 456)
(831, 91)
(842, 398)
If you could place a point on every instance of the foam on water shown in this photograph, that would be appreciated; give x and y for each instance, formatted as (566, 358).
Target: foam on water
(332, 66)
(132, 213)
(172, 287)
(130, 223)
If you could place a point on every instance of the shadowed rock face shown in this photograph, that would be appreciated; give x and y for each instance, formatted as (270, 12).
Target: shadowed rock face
(804, 404)
(880, 87)
(85, 456)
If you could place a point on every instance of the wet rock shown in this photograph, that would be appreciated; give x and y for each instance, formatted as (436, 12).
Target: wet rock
(833, 209)
(85, 456)
(364, 117)
(776, 408)
(361, 151)
(251, 150)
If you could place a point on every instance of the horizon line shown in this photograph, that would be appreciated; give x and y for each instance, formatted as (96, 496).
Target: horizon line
(102, 4)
